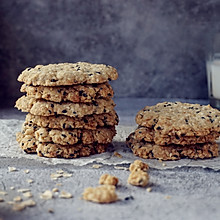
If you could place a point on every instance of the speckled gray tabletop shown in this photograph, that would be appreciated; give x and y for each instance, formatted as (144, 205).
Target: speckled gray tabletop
(177, 193)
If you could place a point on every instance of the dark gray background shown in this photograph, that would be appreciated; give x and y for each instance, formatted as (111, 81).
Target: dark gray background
(158, 46)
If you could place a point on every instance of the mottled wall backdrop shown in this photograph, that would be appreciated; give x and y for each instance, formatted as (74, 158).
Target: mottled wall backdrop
(157, 46)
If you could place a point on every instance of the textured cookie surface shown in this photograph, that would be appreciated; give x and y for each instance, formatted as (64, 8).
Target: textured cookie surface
(47, 108)
(30, 145)
(150, 150)
(180, 119)
(150, 135)
(68, 74)
(69, 137)
(75, 93)
(69, 151)
(64, 122)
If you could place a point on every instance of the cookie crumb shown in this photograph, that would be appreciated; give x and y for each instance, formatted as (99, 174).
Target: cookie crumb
(21, 206)
(55, 176)
(67, 175)
(11, 202)
(55, 190)
(23, 190)
(120, 168)
(12, 169)
(65, 195)
(116, 154)
(163, 164)
(138, 165)
(96, 166)
(101, 194)
(1, 199)
(167, 197)
(3, 193)
(149, 189)
(46, 195)
(107, 179)
(12, 188)
(30, 181)
(138, 178)
(17, 199)
(27, 194)
(27, 171)
(60, 171)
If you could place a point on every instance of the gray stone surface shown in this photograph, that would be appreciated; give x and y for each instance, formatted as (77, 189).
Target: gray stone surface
(180, 193)
(157, 46)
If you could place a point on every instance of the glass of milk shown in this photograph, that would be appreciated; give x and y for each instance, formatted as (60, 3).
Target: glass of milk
(213, 74)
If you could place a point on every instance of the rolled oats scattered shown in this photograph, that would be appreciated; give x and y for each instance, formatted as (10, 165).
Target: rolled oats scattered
(23, 190)
(55, 190)
(22, 205)
(30, 180)
(12, 169)
(96, 166)
(46, 195)
(65, 195)
(17, 199)
(1, 199)
(28, 195)
(3, 193)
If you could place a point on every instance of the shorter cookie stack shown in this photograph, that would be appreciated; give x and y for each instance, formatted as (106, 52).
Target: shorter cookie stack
(171, 131)
(71, 111)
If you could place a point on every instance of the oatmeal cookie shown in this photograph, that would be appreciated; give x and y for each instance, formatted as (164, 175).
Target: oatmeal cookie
(76, 93)
(150, 150)
(64, 122)
(69, 137)
(47, 108)
(68, 74)
(27, 142)
(51, 150)
(150, 135)
(180, 119)
(101, 194)
(30, 145)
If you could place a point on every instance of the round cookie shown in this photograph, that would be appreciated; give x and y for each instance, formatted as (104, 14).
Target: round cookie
(47, 108)
(69, 152)
(75, 93)
(90, 122)
(150, 135)
(180, 119)
(68, 74)
(101, 135)
(29, 144)
(150, 150)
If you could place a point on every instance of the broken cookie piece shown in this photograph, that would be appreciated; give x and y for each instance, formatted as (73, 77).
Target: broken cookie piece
(138, 178)
(138, 165)
(107, 179)
(100, 194)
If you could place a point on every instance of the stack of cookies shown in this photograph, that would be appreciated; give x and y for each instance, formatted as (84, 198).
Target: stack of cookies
(71, 111)
(171, 131)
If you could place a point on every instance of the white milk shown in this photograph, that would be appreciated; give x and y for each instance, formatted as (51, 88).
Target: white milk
(215, 78)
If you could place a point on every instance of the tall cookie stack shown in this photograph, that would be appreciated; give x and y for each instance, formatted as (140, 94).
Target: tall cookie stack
(71, 111)
(171, 131)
